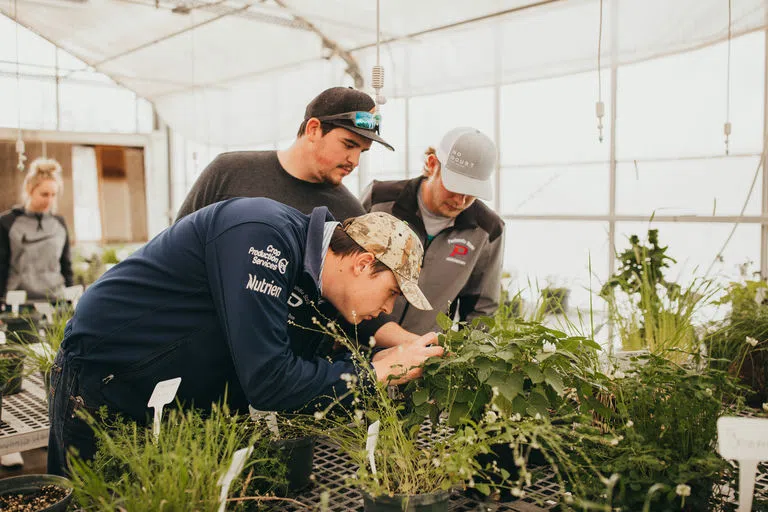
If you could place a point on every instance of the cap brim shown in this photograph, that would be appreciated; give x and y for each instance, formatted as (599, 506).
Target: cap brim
(412, 293)
(460, 184)
(368, 134)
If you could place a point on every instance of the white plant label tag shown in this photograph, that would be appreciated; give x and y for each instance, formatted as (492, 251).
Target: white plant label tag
(238, 462)
(73, 294)
(15, 298)
(370, 443)
(164, 393)
(45, 309)
(2, 337)
(746, 440)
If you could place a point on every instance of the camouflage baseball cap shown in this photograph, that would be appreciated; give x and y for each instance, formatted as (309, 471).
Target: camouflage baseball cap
(394, 244)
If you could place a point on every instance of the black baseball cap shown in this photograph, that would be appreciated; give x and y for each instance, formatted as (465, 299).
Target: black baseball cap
(340, 100)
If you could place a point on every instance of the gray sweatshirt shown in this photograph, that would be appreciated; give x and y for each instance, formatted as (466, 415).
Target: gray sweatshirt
(34, 254)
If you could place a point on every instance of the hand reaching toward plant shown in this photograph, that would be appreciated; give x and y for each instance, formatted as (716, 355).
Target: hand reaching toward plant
(400, 364)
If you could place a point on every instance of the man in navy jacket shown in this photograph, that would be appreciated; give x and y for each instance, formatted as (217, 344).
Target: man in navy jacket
(225, 299)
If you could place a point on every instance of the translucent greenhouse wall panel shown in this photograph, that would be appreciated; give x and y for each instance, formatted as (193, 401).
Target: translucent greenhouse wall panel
(557, 253)
(554, 120)
(715, 186)
(578, 189)
(676, 106)
(434, 115)
(88, 101)
(32, 104)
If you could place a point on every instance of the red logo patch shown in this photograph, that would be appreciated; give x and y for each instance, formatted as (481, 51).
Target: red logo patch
(459, 250)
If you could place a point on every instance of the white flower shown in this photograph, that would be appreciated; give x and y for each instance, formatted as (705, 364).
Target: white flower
(537, 417)
(346, 377)
(683, 490)
(436, 462)
(630, 424)
(495, 391)
(708, 391)
(568, 497)
(471, 483)
(371, 342)
(752, 341)
(358, 415)
(517, 493)
(516, 417)
(319, 415)
(615, 441)
(490, 416)
(520, 461)
(619, 374)
(549, 347)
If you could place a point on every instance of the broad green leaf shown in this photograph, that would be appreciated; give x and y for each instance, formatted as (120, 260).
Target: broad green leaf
(420, 396)
(533, 372)
(443, 321)
(458, 412)
(483, 488)
(553, 378)
(512, 386)
(519, 405)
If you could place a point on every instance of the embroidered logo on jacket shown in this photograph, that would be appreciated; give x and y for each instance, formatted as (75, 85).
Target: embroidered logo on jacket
(262, 286)
(269, 258)
(460, 249)
(25, 240)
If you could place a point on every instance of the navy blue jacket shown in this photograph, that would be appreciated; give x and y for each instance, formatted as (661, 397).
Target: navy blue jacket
(209, 300)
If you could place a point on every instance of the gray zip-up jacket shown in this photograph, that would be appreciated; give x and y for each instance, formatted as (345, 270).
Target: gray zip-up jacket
(462, 264)
(34, 254)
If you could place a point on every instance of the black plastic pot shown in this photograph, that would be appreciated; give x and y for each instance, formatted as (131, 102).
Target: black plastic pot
(298, 456)
(505, 459)
(29, 484)
(432, 502)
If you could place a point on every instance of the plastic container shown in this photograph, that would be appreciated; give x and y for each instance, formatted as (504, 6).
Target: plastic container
(432, 502)
(298, 456)
(29, 484)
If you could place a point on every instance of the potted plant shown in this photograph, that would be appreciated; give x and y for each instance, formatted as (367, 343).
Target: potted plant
(515, 369)
(178, 471)
(45, 342)
(49, 493)
(12, 363)
(739, 344)
(664, 458)
(290, 444)
(653, 313)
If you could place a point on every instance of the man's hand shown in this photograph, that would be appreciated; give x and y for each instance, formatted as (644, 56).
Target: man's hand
(391, 335)
(400, 364)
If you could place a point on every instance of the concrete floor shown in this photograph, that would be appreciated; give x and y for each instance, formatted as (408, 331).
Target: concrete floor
(35, 462)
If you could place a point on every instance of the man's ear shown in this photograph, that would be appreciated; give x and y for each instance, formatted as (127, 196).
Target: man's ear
(363, 260)
(433, 164)
(313, 129)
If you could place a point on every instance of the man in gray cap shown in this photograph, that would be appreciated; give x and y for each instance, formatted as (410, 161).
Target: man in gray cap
(463, 238)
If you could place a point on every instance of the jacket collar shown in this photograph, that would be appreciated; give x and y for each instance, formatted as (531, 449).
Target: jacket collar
(313, 256)
(406, 207)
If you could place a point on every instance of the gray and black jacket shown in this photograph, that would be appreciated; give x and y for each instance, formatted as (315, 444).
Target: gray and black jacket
(34, 254)
(462, 264)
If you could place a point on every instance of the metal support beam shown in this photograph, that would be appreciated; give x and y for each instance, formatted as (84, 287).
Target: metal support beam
(764, 209)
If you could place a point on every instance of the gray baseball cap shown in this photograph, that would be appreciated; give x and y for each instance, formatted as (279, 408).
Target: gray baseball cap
(467, 160)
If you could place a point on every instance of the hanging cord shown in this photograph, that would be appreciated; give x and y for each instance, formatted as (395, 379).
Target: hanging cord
(377, 76)
(599, 106)
(19, 142)
(727, 125)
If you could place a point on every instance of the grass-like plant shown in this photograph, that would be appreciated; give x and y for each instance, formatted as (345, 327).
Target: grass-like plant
(41, 342)
(178, 472)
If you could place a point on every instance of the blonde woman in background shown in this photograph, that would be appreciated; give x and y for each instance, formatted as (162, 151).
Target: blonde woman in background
(34, 245)
(34, 242)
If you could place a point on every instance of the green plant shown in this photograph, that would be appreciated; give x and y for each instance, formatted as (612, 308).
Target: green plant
(47, 338)
(656, 314)
(178, 472)
(520, 368)
(739, 344)
(665, 457)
